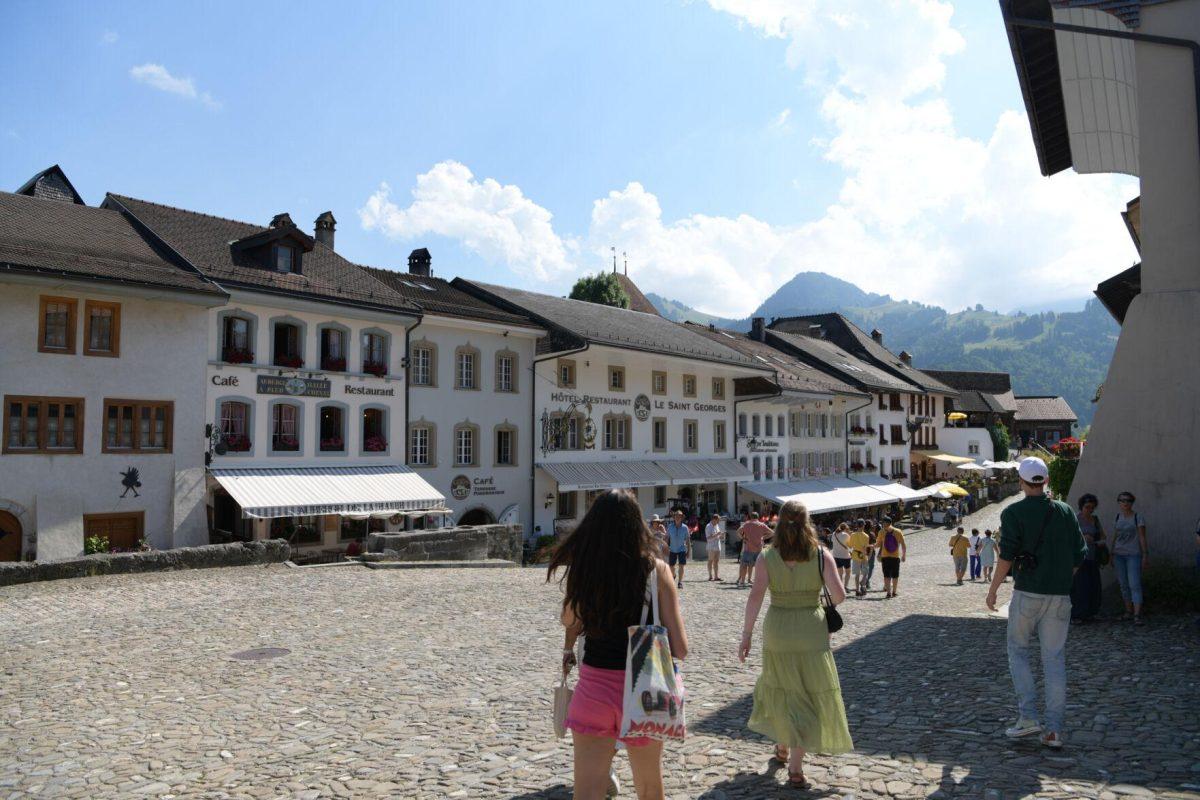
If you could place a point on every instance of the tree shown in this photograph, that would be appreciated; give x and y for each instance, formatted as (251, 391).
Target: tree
(603, 288)
(1000, 442)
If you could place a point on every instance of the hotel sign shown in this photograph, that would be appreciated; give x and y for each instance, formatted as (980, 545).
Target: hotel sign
(296, 387)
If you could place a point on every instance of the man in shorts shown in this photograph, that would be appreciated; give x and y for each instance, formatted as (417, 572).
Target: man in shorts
(860, 548)
(753, 535)
(713, 534)
(960, 545)
(678, 540)
(892, 551)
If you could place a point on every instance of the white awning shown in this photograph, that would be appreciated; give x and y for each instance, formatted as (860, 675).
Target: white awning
(896, 490)
(705, 470)
(821, 496)
(588, 475)
(945, 458)
(308, 491)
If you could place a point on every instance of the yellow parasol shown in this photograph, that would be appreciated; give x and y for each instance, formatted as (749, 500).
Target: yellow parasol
(955, 416)
(952, 489)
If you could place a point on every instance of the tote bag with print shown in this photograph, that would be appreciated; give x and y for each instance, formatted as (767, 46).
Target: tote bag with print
(653, 696)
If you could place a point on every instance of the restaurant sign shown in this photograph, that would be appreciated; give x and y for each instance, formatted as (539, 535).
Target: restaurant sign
(296, 387)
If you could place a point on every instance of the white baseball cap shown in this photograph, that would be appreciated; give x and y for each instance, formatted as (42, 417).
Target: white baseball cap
(1033, 470)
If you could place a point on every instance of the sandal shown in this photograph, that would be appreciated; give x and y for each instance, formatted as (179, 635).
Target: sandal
(781, 753)
(796, 780)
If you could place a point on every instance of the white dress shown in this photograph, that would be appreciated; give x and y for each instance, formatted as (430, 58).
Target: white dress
(987, 552)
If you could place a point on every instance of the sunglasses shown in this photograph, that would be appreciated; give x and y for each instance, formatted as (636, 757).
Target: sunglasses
(1124, 499)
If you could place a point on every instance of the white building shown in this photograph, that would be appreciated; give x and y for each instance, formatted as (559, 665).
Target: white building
(470, 400)
(304, 381)
(102, 380)
(626, 399)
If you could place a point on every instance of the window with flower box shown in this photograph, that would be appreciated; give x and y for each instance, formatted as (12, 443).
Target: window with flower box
(56, 325)
(46, 425)
(374, 430)
(287, 345)
(374, 353)
(234, 417)
(331, 429)
(333, 348)
(136, 426)
(237, 339)
(285, 428)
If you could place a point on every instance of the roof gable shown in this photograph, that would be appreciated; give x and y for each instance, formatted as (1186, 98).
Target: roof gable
(51, 184)
(1043, 408)
(850, 368)
(790, 371)
(440, 297)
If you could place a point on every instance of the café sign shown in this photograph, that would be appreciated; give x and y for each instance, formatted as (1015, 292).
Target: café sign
(295, 387)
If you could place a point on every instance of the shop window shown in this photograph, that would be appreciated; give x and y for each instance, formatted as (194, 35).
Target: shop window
(374, 353)
(137, 426)
(506, 371)
(374, 430)
(506, 446)
(353, 529)
(235, 425)
(285, 428)
(616, 379)
(691, 435)
(102, 331)
(659, 428)
(56, 325)
(421, 369)
(303, 531)
(43, 425)
(331, 429)
(566, 505)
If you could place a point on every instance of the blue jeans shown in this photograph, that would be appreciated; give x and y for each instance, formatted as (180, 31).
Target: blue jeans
(976, 567)
(1049, 615)
(1129, 576)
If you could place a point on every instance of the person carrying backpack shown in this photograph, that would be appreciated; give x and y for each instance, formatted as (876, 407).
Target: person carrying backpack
(892, 551)
(1130, 555)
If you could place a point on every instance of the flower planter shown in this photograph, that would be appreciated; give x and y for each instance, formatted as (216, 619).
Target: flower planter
(376, 368)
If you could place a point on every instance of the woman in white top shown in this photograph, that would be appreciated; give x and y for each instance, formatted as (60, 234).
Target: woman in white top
(712, 537)
(987, 554)
(841, 553)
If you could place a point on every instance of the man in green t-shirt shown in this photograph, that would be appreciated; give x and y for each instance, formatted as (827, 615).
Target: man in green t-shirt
(1040, 537)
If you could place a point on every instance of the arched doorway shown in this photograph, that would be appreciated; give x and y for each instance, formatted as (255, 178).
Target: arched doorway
(477, 516)
(10, 537)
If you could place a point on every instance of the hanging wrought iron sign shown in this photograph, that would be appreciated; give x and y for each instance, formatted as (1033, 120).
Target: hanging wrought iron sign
(569, 428)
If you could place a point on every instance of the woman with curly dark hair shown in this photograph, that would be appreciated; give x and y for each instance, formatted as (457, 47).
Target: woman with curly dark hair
(607, 562)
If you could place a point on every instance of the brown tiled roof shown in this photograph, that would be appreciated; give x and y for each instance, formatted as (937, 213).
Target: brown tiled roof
(1043, 408)
(835, 359)
(637, 300)
(61, 238)
(791, 372)
(994, 389)
(205, 241)
(437, 296)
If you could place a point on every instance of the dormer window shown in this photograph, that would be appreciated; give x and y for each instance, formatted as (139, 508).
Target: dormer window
(283, 257)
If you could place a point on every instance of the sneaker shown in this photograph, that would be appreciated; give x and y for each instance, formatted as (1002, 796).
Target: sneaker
(1024, 727)
(680, 584)
(614, 785)
(1053, 740)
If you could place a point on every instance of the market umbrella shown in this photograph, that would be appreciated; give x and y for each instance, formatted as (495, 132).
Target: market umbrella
(972, 467)
(956, 415)
(951, 489)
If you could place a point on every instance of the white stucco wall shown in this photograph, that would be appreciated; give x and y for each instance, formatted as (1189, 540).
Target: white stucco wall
(492, 487)
(162, 354)
(592, 383)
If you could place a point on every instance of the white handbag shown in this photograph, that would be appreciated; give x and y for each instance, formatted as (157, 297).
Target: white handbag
(562, 701)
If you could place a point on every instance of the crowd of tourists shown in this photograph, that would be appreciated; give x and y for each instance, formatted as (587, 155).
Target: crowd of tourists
(622, 581)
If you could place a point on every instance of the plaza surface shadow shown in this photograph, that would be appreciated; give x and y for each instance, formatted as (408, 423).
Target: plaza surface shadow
(938, 688)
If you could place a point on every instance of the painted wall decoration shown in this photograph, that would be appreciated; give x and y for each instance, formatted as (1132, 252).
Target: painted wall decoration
(460, 487)
(641, 407)
(132, 481)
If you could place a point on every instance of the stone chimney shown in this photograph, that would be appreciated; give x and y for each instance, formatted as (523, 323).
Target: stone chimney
(283, 220)
(757, 329)
(323, 229)
(877, 335)
(906, 357)
(419, 262)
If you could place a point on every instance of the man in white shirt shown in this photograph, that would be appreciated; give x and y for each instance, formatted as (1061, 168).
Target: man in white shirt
(713, 534)
(976, 565)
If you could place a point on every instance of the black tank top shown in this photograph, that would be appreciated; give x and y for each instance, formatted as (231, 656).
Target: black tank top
(608, 649)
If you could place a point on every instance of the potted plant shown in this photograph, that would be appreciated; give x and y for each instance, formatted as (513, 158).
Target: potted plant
(237, 355)
(237, 442)
(376, 368)
(375, 444)
(333, 364)
(289, 361)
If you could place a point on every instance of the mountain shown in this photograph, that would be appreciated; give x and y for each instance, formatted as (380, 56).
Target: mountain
(1064, 353)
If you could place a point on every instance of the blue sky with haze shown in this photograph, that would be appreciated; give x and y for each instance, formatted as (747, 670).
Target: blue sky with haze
(724, 145)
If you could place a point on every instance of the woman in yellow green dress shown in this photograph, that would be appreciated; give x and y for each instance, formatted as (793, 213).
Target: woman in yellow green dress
(798, 699)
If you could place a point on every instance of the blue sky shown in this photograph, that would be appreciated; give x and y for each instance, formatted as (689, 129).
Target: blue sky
(724, 145)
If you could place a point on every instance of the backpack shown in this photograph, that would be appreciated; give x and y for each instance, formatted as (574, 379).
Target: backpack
(891, 543)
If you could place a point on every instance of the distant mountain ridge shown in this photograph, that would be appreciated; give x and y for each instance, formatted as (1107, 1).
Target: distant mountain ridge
(1064, 353)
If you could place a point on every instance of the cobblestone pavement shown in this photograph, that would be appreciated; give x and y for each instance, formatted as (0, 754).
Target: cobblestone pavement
(436, 683)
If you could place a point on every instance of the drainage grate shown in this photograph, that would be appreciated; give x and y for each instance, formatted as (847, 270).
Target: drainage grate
(261, 653)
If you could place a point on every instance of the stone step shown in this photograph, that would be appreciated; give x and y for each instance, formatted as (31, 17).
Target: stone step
(489, 563)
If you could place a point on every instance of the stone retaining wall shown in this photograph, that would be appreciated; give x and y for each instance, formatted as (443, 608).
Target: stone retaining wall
(236, 554)
(467, 543)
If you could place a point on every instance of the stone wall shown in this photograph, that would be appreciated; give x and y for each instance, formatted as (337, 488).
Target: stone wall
(467, 543)
(236, 554)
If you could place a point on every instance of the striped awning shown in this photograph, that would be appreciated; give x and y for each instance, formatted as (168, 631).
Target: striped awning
(587, 475)
(705, 470)
(309, 491)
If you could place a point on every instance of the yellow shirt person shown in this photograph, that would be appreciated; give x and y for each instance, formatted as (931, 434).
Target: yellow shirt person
(859, 544)
(959, 545)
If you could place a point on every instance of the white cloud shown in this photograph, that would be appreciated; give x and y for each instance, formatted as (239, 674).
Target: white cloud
(109, 37)
(781, 121)
(157, 76)
(496, 221)
(924, 212)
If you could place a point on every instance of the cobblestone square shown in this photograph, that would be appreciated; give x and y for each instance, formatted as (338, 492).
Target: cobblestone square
(436, 683)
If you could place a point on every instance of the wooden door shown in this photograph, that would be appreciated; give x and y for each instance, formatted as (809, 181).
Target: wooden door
(10, 537)
(124, 531)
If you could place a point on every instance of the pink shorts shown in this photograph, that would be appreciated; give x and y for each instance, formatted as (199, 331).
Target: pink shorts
(596, 705)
